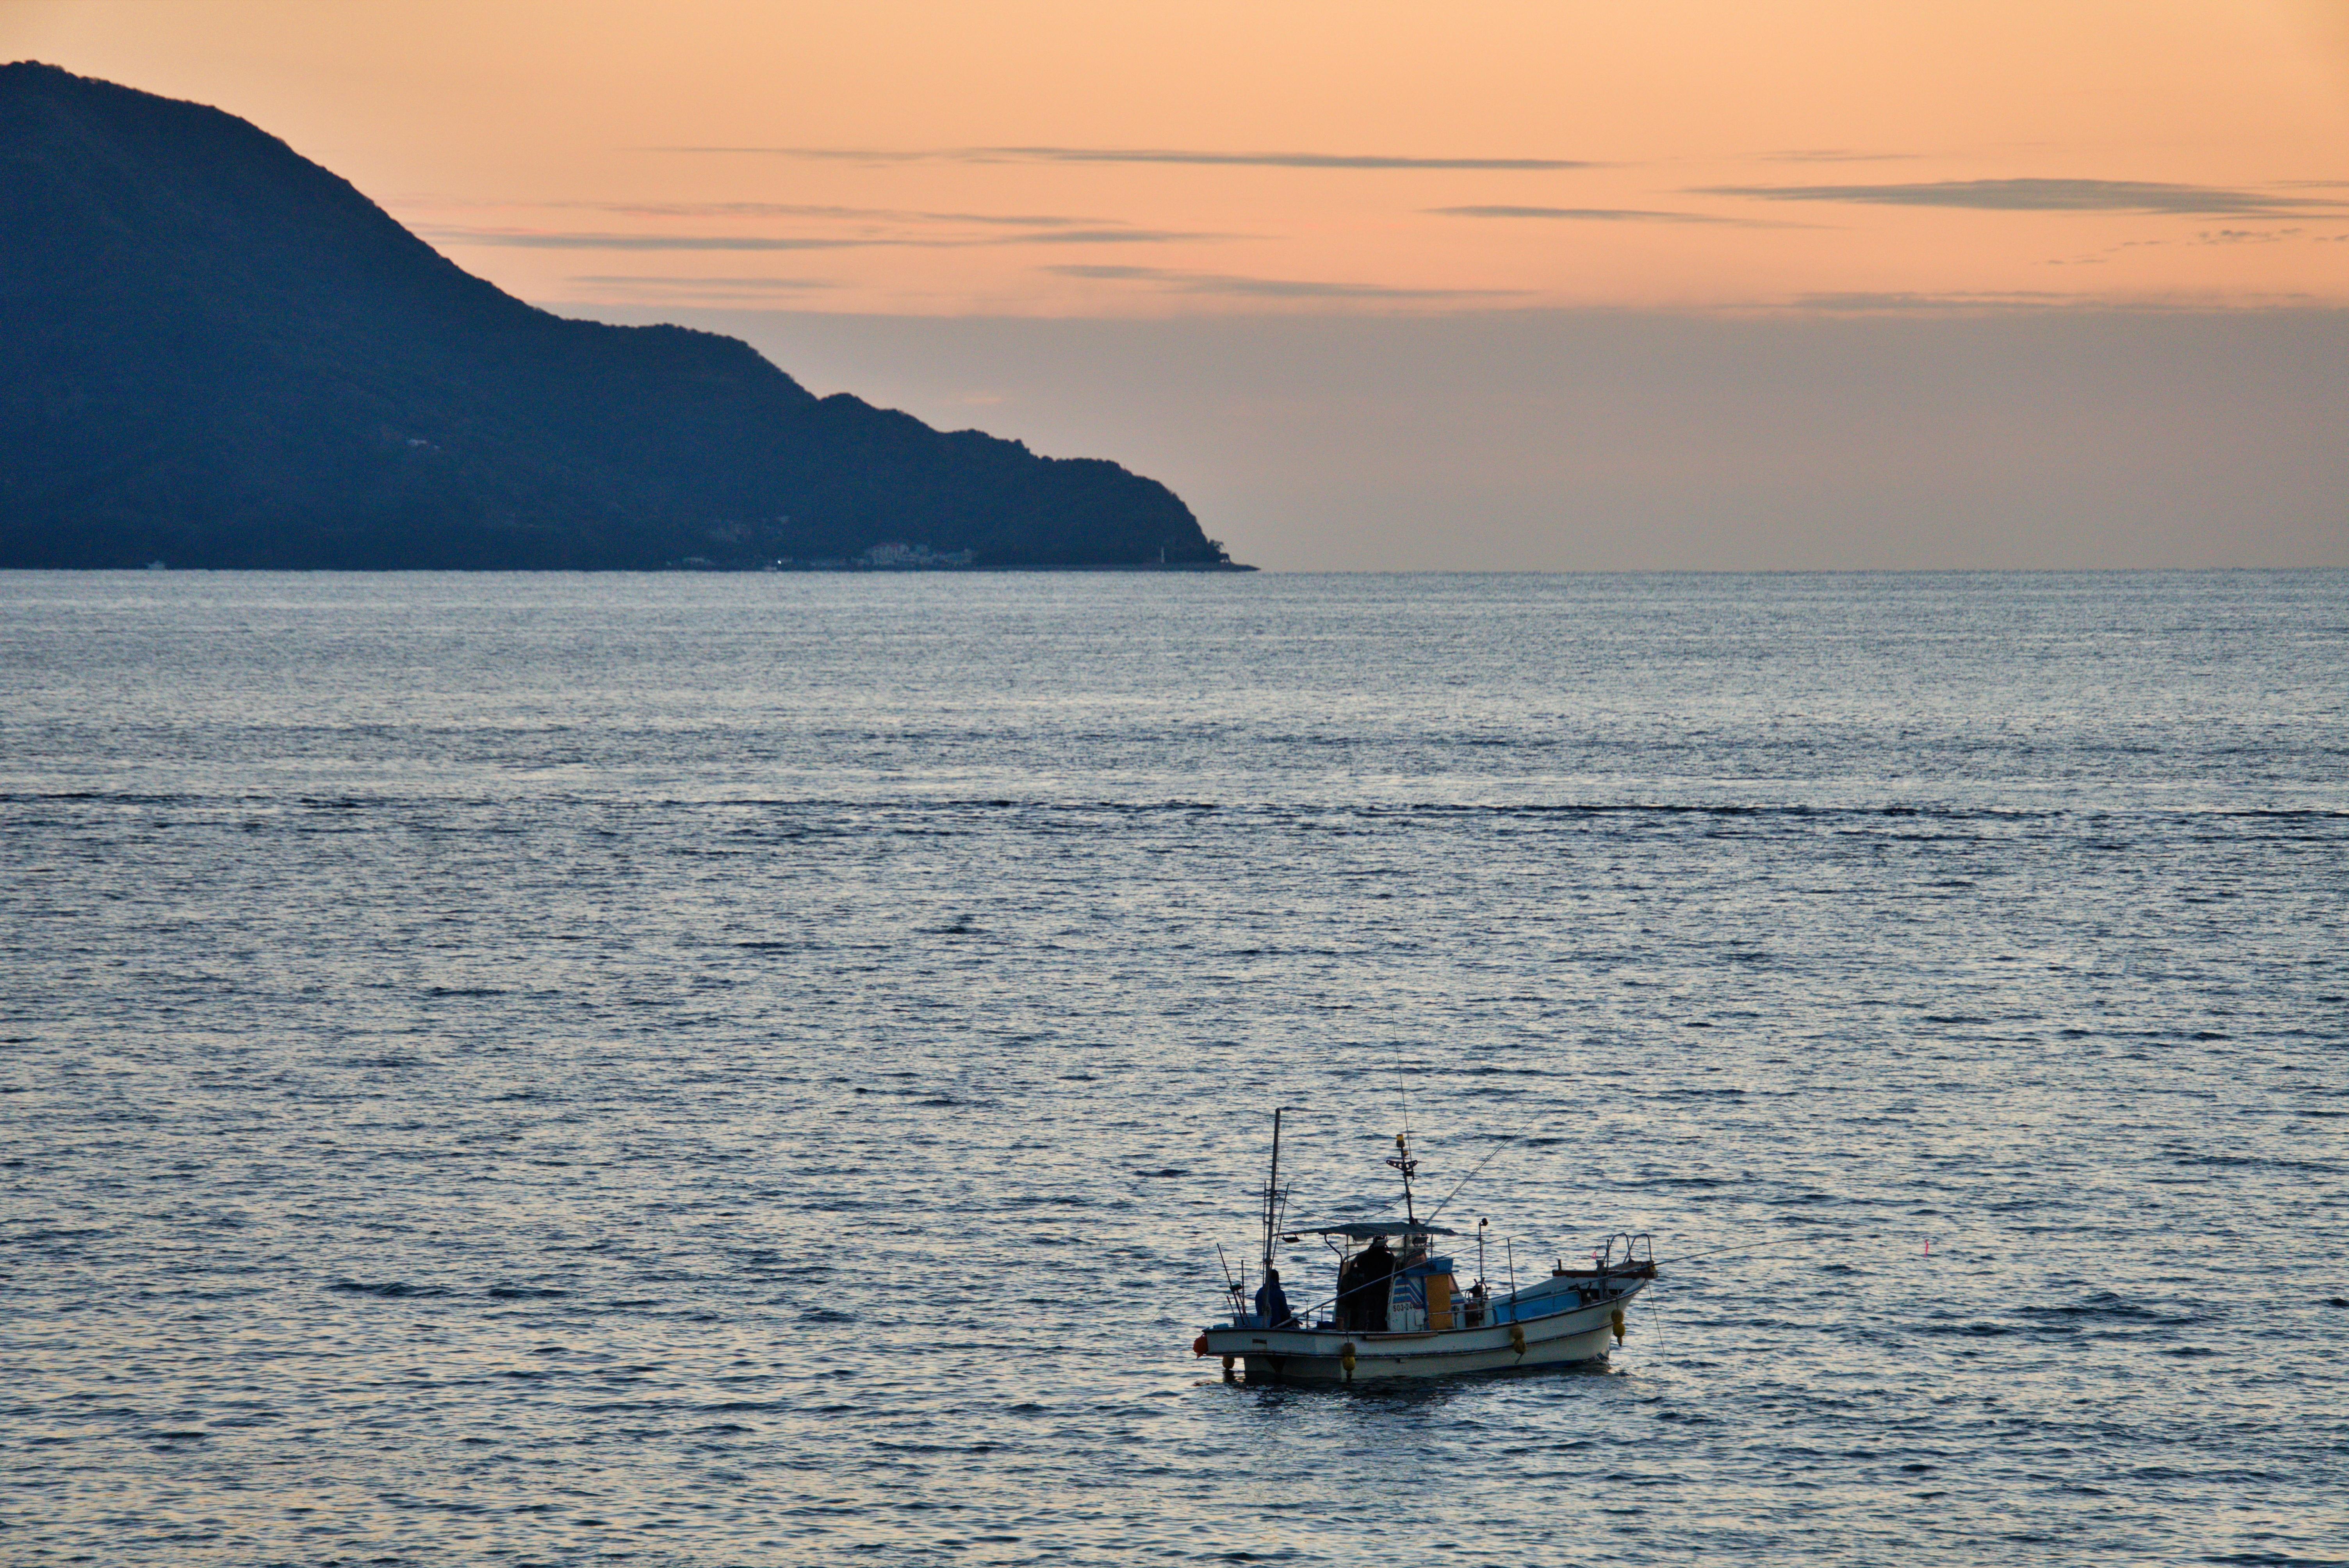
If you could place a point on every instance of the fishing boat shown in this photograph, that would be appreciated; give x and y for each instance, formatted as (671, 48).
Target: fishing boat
(1398, 1309)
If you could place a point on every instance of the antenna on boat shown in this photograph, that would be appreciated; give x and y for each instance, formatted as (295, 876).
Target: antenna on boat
(1402, 1160)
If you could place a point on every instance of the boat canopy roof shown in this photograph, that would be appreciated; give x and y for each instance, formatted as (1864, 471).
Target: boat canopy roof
(1363, 1230)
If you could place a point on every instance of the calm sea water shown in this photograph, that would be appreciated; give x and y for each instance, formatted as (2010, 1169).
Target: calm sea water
(753, 1069)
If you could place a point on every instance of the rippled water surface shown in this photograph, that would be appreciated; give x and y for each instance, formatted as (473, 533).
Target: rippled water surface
(753, 1069)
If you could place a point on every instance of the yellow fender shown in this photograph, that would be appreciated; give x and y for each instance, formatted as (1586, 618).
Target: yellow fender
(1346, 1359)
(1619, 1326)
(1517, 1338)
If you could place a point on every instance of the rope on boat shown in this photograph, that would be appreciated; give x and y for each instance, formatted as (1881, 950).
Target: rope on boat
(1833, 1236)
(1780, 1242)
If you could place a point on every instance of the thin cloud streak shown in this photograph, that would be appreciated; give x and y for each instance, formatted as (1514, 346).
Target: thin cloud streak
(2041, 302)
(1234, 287)
(1860, 303)
(573, 240)
(642, 280)
(1107, 237)
(1591, 215)
(1834, 155)
(1278, 160)
(2040, 196)
(758, 210)
(550, 241)
(1347, 160)
(808, 210)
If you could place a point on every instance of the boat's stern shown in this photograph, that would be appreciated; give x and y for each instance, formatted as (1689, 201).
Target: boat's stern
(1283, 1354)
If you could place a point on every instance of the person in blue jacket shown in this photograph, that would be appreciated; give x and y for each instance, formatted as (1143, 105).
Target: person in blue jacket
(1272, 1302)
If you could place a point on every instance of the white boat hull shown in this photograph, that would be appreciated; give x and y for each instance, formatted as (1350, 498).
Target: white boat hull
(1319, 1355)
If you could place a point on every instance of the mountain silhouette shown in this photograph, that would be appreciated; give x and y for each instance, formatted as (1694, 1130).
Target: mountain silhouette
(215, 353)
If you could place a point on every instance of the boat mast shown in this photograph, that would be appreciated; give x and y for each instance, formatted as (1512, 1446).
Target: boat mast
(1403, 1161)
(1272, 1189)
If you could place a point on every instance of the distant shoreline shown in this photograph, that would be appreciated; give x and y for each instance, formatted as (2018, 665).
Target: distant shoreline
(792, 570)
(930, 564)
(1120, 566)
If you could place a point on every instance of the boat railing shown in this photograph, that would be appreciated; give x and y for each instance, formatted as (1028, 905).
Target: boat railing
(1639, 1252)
(1626, 1253)
(1545, 1300)
(1322, 1314)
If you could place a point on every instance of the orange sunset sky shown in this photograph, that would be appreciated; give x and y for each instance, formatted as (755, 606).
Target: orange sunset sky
(1136, 159)
(1557, 285)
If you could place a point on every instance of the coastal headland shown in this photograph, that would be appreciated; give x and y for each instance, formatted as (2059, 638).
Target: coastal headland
(221, 355)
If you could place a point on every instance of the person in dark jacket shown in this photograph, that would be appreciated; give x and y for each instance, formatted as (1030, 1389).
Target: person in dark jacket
(1272, 1302)
(1350, 1294)
(1362, 1304)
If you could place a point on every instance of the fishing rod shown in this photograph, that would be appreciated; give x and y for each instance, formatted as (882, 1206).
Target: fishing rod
(1938, 1233)
(1505, 1141)
(1402, 1087)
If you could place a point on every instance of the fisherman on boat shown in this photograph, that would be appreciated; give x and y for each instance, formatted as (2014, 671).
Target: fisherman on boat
(1364, 1285)
(1272, 1303)
(1350, 1294)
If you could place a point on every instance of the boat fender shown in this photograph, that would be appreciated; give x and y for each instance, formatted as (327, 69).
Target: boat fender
(1517, 1338)
(1199, 1345)
(1346, 1358)
(1619, 1326)
(1228, 1369)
